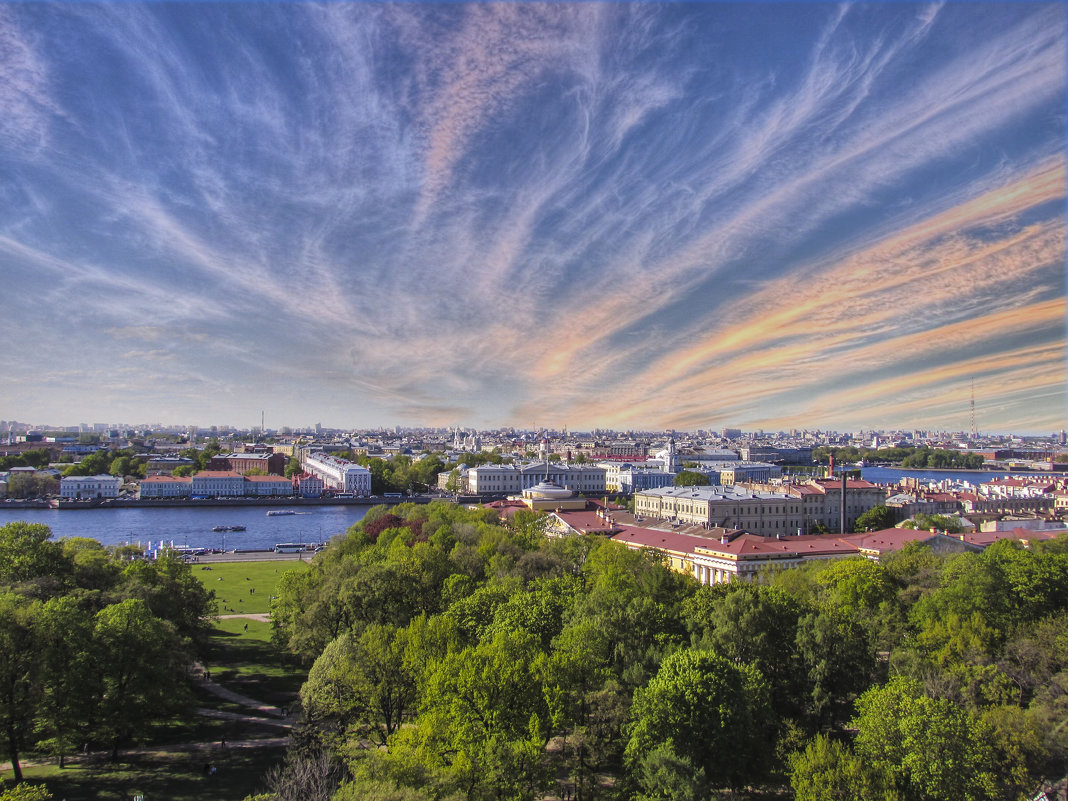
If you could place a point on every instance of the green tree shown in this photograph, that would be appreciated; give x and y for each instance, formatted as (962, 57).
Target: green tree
(837, 660)
(483, 722)
(25, 792)
(363, 687)
(29, 553)
(293, 467)
(876, 519)
(828, 770)
(454, 484)
(928, 748)
(64, 640)
(689, 478)
(703, 705)
(754, 624)
(140, 666)
(20, 679)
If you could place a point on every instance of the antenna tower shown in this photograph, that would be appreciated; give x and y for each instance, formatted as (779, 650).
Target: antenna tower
(973, 409)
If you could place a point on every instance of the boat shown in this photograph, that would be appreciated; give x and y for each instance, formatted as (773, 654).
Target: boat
(228, 528)
(276, 512)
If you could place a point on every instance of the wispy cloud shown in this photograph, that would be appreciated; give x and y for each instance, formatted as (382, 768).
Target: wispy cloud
(580, 213)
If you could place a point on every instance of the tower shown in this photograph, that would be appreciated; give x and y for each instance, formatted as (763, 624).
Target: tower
(973, 409)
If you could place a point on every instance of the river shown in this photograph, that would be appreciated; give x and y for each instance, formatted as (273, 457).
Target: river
(894, 475)
(192, 526)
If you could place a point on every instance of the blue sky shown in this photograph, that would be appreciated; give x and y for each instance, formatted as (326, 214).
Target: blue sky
(615, 215)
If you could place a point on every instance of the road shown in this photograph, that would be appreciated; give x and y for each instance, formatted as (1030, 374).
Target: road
(253, 556)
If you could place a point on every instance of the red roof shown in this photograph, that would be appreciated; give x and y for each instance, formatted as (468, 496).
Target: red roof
(587, 522)
(889, 539)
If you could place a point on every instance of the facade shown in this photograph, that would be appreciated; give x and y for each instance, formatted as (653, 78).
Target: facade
(514, 478)
(741, 472)
(269, 463)
(307, 485)
(339, 475)
(630, 478)
(732, 556)
(217, 484)
(85, 487)
(821, 501)
(763, 513)
(268, 486)
(165, 487)
(167, 464)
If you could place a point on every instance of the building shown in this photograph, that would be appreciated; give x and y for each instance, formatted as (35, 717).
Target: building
(165, 487)
(821, 501)
(339, 475)
(630, 478)
(268, 463)
(492, 479)
(732, 556)
(217, 484)
(85, 487)
(268, 486)
(167, 464)
(307, 485)
(755, 511)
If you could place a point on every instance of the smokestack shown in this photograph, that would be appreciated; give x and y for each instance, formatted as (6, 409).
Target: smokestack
(843, 504)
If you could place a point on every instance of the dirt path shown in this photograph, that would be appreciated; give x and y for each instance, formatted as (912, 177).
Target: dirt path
(238, 698)
(220, 714)
(262, 617)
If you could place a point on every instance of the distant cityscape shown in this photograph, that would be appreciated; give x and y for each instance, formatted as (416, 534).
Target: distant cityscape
(720, 505)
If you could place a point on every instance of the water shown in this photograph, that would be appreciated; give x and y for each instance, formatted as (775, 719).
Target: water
(892, 475)
(191, 526)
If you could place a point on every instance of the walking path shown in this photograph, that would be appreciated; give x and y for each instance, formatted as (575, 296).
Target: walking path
(264, 617)
(220, 714)
(237, 698)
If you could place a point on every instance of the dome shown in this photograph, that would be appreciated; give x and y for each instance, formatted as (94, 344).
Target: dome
(546, 490)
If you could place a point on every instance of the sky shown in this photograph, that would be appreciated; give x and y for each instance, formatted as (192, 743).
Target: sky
(566, 215)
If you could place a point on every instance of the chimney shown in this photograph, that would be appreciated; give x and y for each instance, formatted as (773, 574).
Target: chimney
(843, 504)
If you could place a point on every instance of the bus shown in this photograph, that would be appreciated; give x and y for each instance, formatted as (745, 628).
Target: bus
(292, 547)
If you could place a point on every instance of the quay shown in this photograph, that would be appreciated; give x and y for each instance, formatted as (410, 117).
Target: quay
(198, 503)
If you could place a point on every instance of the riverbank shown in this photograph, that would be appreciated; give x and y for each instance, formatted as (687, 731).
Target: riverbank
(200, 503)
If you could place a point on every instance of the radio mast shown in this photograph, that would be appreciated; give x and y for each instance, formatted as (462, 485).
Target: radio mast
(973, 409)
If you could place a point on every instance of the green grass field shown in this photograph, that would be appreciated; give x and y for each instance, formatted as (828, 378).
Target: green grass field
(234, 582)
(171, 777)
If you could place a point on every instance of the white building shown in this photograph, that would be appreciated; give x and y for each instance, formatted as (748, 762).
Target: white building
(514, 478)
(83, 487)
(339, 475)
(308, 485)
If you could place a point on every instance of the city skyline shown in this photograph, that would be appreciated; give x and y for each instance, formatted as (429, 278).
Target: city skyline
(684, 216)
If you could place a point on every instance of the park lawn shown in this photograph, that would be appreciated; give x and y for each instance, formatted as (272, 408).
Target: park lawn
(244, 587)
(171, 777)
(247, 662)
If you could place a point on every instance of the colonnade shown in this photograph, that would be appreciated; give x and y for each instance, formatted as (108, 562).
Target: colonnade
(712, 575)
